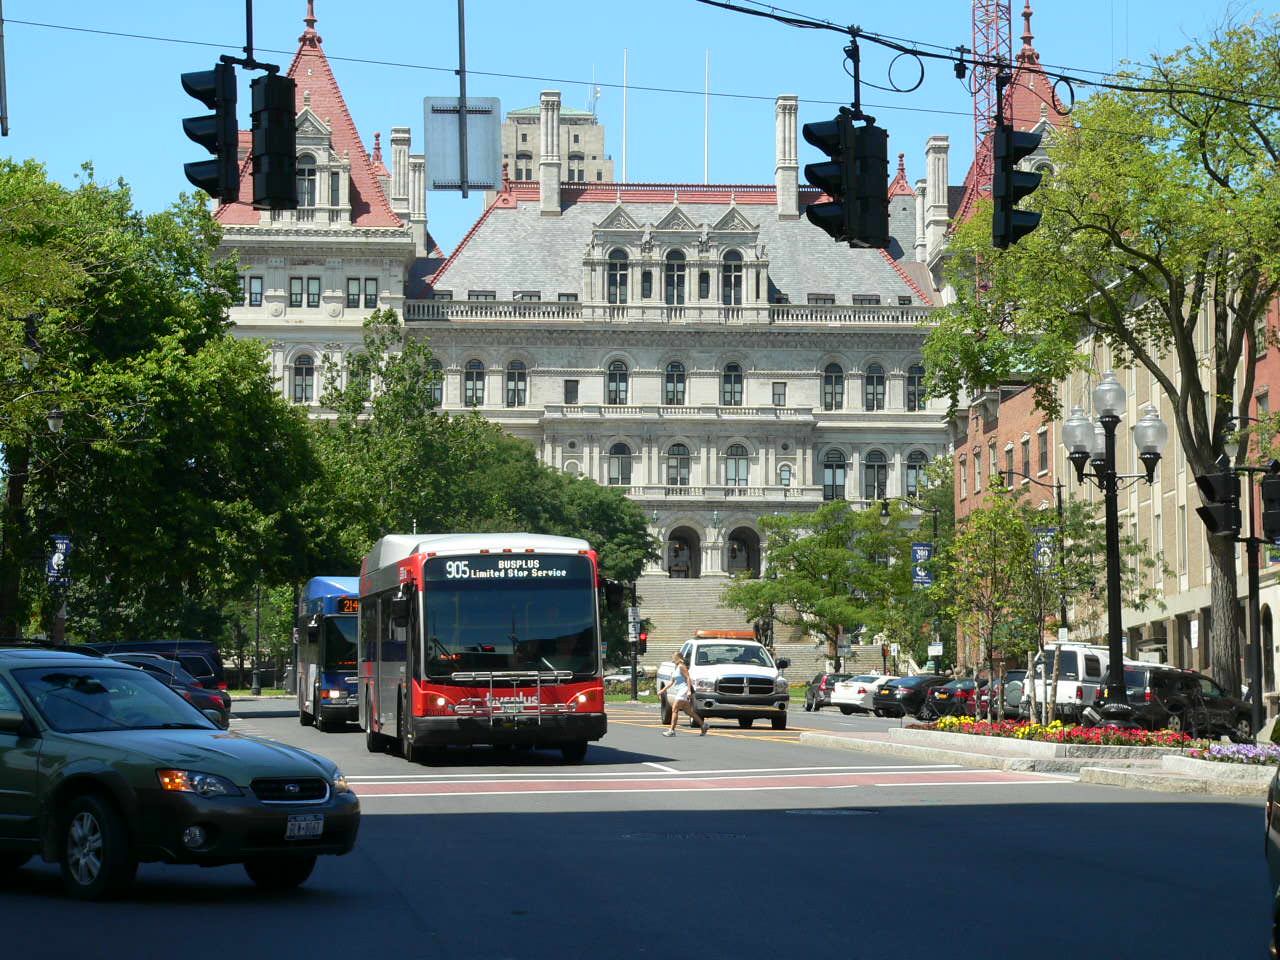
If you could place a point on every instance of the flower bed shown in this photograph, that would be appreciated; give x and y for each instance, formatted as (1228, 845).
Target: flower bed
(1263, 754)
(1058, 732)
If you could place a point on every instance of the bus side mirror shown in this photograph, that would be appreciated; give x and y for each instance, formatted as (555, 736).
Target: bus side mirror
(400, 611)
(313, 630)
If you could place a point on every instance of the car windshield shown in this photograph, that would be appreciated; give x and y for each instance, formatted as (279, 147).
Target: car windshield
(1070, 669)
(1135, 681)
(867, 679)
(910, 681)
(82, 699)
(197, 666)
(710, 654)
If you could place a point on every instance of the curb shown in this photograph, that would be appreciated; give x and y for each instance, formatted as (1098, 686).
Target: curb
(1171, 782)
(936, 754)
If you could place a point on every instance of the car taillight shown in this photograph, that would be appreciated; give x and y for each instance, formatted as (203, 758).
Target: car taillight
(1079, 693)
(197, 683)
(1146, 694)
(823, 684)
(862, 689)
(221, 685)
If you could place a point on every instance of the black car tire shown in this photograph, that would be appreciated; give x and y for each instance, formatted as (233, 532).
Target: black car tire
(1175, 722)
(11, 860)
(745, 722)
(280, 873)
(778, 723)
(847, 711)
(664, 710)
(373, 742)
(1242, 732)
(878, 712)
(574, 752)
(808, 705)
(97, 859)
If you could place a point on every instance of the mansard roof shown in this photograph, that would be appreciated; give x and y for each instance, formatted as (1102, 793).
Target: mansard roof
(513, 247)
(311, 71)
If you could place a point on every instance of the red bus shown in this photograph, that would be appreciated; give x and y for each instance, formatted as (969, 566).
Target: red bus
(480, 638)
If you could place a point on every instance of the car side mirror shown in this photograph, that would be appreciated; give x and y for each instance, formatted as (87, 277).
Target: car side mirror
(216, 717)
(12, 721)
(784, 663)
(400, 610)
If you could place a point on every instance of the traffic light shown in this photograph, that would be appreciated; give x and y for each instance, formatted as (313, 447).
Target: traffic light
(1221, 491)
(275, 125)
(856, 178)
(1010, 185)
(642, 642)
(1271, 504)
(216, 132)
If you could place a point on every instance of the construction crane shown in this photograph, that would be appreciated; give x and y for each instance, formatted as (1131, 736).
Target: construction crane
(992, 43)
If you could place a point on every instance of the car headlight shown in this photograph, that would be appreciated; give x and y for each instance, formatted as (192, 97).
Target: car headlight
(339, 783)
(780, 685)
(193, 781)
(704, 686)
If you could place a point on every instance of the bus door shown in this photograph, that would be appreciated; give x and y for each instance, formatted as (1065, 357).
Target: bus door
(308, 656)
(389, 675)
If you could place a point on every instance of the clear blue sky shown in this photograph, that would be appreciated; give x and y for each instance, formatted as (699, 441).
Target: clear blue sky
(114, 100)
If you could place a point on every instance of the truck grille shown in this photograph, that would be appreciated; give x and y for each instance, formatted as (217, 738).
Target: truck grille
(744, 686)
(290, 790)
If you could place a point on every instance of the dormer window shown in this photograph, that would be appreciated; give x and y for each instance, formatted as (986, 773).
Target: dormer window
(306, 180)
(731, 279)
(617, 281)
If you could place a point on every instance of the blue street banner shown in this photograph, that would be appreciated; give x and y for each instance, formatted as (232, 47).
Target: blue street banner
(55, 568)
(921, 553)
(1046, 546)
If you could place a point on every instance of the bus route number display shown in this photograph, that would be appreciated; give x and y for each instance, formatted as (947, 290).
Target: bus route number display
(506, 568)
(348, 605)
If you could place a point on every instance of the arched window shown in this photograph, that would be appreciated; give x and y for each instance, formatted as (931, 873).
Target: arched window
(673, 278)
(833, 475)
(437, 383)
(306, 173)
(875, 476)
(473, 384)
(916, 464)
(304, 378)
(731, 385)
(678, 465)
(731, 279)
(673, 385)
(833, 387)
(620, 465)
(517, 384)
(524, 166)
(873, 391)
(617, 385)
(915, 387)
(784, 475)
(735, 466)
(617, 281)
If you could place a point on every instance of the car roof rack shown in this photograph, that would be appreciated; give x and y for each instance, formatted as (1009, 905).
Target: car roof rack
(50, 645)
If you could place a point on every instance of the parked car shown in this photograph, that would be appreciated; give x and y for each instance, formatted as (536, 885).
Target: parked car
(1272, 846)
(170, 672)
(1079, 676)
(856, 693)
(200, 658)
(1161, 697)
(1009, 689)
(103, 766)
(817, 693)
(958, 697)
(905, 695)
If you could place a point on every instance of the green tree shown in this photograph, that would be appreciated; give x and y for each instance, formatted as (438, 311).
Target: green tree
(1160, 238)
(836, 570)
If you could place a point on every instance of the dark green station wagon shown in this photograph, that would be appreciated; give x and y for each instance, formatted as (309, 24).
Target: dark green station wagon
(103, 766)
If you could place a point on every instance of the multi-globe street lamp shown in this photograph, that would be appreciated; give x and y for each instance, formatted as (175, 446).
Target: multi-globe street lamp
(1094, 444)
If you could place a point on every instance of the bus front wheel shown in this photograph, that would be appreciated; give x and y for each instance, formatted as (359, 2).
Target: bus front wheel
(574, 752)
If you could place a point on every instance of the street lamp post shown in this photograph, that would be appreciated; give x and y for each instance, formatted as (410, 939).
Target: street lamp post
(256, 688)
(1056, 487)
(933, 516)
(1095, 444)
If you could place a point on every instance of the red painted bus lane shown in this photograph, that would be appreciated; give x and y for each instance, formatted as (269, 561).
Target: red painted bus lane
(871, 778)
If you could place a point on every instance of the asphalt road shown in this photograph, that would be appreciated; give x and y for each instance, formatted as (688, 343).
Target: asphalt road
(739, 844)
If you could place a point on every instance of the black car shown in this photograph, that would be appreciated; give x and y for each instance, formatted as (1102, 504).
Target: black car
(1273, 859)
(1009, 690)
(1160, 697)
(200, 658)
(959, 697)
(897, 698)
(818, 692)
(170, 673)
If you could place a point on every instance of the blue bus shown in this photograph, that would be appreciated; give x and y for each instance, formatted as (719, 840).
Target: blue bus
(328, 619)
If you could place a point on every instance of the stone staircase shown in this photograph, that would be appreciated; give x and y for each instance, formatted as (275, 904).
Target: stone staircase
(677, 608)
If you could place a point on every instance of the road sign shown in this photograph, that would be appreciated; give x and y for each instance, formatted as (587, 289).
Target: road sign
(1046, 546)
(55, 570)
(921, 576)
(935, 649)
(484, 144)
(633, 616)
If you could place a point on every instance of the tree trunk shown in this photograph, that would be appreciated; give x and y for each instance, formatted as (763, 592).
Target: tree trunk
(1224, 630)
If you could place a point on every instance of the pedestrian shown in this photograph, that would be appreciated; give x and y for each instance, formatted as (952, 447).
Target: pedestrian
(679, 693)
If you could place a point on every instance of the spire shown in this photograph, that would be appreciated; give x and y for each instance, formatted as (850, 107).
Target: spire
(309, 35)
(1028, 52)
(377, 148)
(899, 186)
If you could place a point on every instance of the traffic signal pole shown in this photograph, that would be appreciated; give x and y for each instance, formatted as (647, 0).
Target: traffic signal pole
(1253, 558)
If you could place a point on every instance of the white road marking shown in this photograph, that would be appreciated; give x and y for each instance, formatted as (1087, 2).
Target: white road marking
(621, 774)
(661, 766)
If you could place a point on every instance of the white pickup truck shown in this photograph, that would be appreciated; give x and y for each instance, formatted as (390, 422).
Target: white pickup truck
(733, 678)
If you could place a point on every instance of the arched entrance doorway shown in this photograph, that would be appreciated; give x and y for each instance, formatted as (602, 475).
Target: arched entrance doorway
(684, 554)
(742, 552)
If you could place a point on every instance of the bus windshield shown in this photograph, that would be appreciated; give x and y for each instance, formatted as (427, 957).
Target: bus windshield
(340, 643)
(497, 613)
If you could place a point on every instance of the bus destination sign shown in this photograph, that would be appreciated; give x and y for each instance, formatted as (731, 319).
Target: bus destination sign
(348, 605)
(504, 567)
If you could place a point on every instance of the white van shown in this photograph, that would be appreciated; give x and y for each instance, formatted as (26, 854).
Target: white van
(1079, 676)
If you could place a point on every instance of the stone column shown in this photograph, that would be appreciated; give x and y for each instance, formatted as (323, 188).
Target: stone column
(549, 160)
(786, 166)
(937, 217)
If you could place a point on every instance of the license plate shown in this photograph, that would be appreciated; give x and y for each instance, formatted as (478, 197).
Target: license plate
(302, 826)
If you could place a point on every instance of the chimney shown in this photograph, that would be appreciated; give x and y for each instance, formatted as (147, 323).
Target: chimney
(921, 247)
(400, 140)
(786, 169)
(936, 217)
(549, 162)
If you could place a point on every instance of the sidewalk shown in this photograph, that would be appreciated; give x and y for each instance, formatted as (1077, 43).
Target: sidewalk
(1126, 767)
